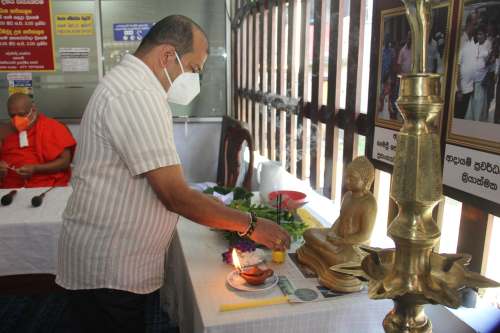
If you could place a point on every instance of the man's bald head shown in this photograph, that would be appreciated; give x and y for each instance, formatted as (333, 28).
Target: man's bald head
(176, 30)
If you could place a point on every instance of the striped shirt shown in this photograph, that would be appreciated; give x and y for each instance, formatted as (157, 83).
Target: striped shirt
(115, 230)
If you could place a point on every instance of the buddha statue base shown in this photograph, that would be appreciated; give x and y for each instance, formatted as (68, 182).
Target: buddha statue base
(328, 278)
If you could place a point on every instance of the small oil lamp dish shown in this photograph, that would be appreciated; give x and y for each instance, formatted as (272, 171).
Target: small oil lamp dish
(256, 276)
(252, 278)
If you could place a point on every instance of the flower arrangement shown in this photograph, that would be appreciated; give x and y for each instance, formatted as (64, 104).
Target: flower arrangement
(242, 201)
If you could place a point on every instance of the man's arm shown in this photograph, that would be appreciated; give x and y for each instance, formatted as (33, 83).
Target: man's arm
(169, 184)
(59, 164)
(399, 61)
(459, 75)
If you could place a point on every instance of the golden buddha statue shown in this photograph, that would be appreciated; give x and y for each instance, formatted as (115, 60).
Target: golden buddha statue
(326, 247)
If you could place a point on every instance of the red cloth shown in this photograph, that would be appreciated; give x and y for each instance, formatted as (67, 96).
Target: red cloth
(47, 139)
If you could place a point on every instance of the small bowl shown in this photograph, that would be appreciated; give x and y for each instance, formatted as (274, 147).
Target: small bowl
(289, 199)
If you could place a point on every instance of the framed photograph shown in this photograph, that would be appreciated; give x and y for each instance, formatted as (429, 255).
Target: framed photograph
(395, 58)
(474, 115)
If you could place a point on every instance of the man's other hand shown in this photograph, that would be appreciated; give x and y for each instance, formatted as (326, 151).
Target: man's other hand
(271, 235)
(27, 170)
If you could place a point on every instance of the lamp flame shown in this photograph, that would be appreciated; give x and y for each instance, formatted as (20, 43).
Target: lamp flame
(236, 260)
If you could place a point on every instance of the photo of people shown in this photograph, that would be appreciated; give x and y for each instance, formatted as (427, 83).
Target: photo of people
(396, 58)
(475, 107)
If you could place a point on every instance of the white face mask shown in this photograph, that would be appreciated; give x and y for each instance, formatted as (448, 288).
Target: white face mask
(184, 88)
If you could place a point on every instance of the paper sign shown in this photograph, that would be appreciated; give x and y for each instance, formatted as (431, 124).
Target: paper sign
(130, 32)
(74, 59)
(26, 36)
(74, 24)
(473, 172)
(19, 76)
(384, 145)
(20, 83)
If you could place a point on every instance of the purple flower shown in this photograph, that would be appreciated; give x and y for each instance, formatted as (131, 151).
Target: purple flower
(244, 245)
(241, 245)
(227, 258)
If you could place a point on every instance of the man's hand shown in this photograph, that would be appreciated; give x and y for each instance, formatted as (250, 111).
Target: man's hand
(27, 170)
(271, 235)
(459, 96)
(3, 169)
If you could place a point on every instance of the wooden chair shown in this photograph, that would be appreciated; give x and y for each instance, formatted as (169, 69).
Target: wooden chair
(233, 135)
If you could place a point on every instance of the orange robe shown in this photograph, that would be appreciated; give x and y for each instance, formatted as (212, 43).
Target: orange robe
(46, 141)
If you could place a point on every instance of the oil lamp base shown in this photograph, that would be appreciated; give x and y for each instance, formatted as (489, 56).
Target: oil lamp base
(407, 317)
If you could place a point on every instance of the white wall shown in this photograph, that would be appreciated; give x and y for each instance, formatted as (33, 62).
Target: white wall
(198, 150)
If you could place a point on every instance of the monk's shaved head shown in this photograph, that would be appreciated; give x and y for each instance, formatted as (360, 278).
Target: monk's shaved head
(19, 104)
(19, 98)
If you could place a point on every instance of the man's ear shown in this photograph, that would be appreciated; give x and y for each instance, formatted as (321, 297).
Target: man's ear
(167, 54)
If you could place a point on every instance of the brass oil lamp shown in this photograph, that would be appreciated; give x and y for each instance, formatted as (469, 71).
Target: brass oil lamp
(412, 274)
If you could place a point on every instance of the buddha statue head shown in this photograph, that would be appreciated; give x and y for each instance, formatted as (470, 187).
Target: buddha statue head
(360, 174)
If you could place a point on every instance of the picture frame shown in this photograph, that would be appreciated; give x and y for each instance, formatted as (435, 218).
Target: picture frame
(474, 109)
(394, 58)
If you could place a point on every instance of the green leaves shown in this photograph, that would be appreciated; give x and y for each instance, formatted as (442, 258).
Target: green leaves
(242, 202)
(239, 192)
(294, 227)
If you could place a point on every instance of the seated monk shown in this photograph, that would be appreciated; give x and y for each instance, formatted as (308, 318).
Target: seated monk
(35, 151)
(325, 247)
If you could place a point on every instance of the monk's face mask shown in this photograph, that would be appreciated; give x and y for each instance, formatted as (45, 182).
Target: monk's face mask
(21, 123)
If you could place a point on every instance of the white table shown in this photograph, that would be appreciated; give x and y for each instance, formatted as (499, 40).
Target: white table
(195, 288)
(29, 235)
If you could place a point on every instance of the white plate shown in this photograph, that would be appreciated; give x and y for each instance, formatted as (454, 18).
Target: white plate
(237, 282)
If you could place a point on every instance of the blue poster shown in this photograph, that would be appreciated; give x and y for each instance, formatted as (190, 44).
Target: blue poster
(130, 32)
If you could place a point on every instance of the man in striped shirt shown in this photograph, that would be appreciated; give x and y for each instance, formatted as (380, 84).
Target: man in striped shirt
(128, 185)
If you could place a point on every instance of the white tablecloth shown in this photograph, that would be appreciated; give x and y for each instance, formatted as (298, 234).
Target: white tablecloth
(195, 288)
(29, 235)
